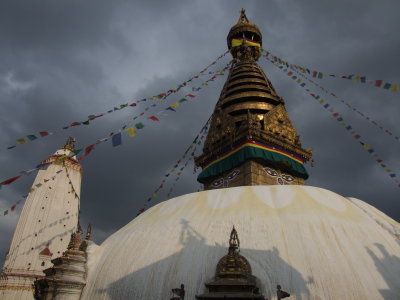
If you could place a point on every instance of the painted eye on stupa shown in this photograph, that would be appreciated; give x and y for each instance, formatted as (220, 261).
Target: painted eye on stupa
(232, 175)
(218, 182)
(287, 178)
(271, 172)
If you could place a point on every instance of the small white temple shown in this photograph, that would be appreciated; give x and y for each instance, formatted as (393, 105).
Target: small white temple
(49, 216)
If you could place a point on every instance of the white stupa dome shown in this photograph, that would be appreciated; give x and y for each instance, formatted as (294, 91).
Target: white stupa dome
(316, 244)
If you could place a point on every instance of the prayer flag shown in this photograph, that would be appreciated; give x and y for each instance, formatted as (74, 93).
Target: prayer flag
(335, 115)
(139, 125)
(13, 207)
(394, 88)
(85, 123)
(387, 86)
(190, 95)
(116, 139)
(89, 149)
(378, 83)
(314, 74)
(31, 137)
(154, 118)
(5, 212)
(131, 131)
(392, 175)
(183, 100)
(43, 133)
(8, 181)
(11, 147)
(21, 141)
(154, 195)
(320, 75)
(132, 104)
(175, 105)
(75, 124)
(141, 210)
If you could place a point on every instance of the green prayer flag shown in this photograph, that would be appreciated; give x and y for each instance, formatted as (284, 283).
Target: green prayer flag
(139, 125)
(5, 212)
(31, 137)
(182, 100)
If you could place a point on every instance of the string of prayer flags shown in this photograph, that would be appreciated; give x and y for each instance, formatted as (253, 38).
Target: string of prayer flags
(349, 128)
(348, 105)
(357, 78)
(92, 117)
(13, 207)
(154, 195)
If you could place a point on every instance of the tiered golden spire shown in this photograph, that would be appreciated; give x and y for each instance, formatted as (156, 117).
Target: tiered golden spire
(251, 140)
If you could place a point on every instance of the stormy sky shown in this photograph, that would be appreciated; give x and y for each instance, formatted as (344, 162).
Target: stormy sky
(61, 61)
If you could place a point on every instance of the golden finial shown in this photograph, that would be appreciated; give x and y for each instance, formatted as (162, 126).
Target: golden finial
(234, 242)
(70, 144)
(242, 17)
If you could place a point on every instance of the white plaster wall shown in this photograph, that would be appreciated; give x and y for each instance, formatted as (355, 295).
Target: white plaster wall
(55, 205)
(315, 243)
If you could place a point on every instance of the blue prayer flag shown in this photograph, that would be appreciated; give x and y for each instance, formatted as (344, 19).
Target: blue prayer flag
(117, 139)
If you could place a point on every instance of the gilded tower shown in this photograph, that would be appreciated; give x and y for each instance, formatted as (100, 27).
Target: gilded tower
(251, 140)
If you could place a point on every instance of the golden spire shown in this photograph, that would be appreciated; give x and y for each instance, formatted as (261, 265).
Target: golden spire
(251, 140)
(243, 17)
(70, 144)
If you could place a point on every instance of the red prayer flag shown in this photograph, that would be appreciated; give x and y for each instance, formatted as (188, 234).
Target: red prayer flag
(141, 210)
(133, 104)
(357, 136)
(89, 149)
(8, 181)
(378, 82)
(190, 95)
(75, 124)
(154, 118)
(335, 115)
(43, 133)
(13, 207)
(314, 73)
(379, 160)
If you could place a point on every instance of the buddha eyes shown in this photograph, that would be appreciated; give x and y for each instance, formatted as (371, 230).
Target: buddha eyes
(224, 181)
(287, 178)
(271, 172)
(232, 175)
(218, 182)
(281, 179)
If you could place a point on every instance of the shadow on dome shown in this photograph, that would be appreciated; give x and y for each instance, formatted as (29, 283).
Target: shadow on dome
(156, 280)
(390, 278)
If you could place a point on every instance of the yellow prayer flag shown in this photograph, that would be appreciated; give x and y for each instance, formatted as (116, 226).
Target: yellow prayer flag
(154, 195)
(389, 170)
(160, 101)
(357, 78)
(151, 98)
(298, 80)
(395, 88)
(366, 146)
(204, 83)
(21, 141)
(31, 190)
(174, 105)
(343, 123)
(322, 101)
(131, 131)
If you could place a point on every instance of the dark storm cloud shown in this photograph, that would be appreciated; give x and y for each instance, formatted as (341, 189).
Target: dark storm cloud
(61, 61)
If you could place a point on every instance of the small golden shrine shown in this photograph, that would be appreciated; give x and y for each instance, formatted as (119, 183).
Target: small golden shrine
(233, 278)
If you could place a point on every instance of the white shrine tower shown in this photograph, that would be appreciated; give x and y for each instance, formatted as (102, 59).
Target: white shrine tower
(48, 218)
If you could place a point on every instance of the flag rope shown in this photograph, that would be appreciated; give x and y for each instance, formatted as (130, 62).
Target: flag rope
(197, 141)
(340, 119)
(91, 118)
(358, 78)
